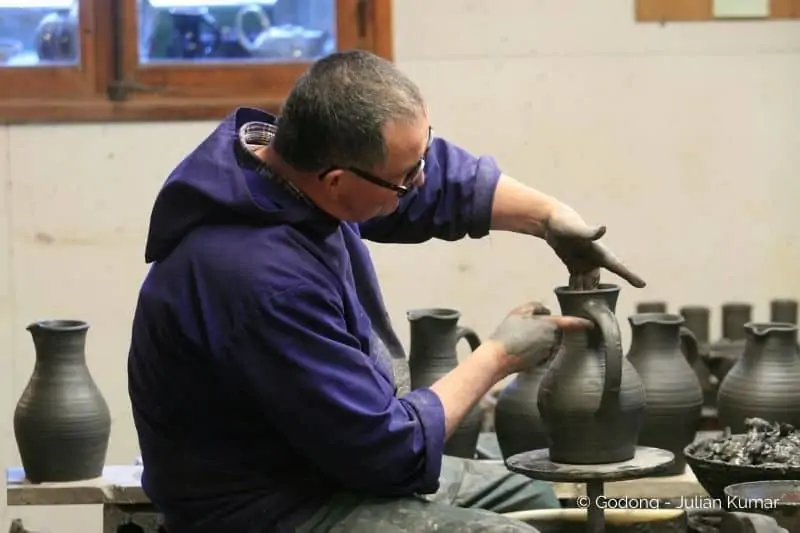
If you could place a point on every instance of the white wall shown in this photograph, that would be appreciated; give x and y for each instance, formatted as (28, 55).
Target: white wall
(683, 139)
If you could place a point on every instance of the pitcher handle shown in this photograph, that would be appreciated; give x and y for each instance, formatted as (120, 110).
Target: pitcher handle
(469, 335)
(689, 345)
(606, 324)
(263, 20)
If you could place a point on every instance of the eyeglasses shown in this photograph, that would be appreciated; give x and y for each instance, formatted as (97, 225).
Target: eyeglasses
(408, 179)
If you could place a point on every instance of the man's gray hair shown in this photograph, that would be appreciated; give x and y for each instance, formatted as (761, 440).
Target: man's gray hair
(337, 110)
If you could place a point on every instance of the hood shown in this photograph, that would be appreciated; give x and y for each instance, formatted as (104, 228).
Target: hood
(210, 187)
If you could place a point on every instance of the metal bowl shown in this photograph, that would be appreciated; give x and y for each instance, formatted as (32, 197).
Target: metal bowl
(779, 499)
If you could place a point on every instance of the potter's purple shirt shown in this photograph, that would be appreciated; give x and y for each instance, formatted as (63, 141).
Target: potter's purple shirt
(253, 375)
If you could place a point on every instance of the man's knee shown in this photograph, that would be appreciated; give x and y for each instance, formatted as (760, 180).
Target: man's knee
(493, 487)
(441, 517)
(412, 515)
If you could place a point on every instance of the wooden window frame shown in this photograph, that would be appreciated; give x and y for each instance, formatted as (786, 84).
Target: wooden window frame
(703, 11)
(165, 92)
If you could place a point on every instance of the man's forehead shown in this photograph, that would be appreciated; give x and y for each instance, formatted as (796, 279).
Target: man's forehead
(407, 138)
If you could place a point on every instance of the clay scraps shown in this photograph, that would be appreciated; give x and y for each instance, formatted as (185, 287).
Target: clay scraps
(763, 444)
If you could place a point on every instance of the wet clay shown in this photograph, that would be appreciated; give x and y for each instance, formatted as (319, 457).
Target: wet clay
(763, 443)
(591, 399)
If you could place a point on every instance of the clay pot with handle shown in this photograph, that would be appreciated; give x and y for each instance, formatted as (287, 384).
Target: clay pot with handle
(591, 399)
(432, 354)
(663, 351)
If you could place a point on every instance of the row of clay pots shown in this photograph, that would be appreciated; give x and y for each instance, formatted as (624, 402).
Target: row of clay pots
(717, 358)
(761, 380)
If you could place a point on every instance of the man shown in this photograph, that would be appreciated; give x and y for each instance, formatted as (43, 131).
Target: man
(260, 369)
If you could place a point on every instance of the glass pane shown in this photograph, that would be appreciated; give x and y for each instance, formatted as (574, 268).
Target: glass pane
(235, 31)
(39, 33)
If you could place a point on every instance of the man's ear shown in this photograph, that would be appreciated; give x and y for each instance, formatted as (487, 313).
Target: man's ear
(332, 179)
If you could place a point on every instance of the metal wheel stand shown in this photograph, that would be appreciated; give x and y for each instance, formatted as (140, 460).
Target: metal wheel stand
(536, 464)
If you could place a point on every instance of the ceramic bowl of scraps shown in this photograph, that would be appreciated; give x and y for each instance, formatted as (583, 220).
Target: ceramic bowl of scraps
(766, 451)
(776, 498)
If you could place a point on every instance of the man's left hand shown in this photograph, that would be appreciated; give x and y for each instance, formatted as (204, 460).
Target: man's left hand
(575, 243)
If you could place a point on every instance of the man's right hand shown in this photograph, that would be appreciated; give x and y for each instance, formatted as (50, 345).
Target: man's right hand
(530, 334)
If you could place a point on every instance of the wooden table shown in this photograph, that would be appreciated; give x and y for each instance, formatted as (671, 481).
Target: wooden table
(120, 493)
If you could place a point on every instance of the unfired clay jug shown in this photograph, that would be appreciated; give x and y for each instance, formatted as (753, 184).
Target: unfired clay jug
(765, 381)
(724, 353)
(517, 421)
(591, 398)
(61, 423)
(434, 335)
(783, 310)
(698, 320)
(651, 307)
(662, 352)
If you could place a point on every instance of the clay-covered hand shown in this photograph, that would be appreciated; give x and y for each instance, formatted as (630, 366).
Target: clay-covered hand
(530, 334)
(575, 243)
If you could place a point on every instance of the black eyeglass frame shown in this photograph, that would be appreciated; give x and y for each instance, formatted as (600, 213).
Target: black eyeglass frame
(401, 190)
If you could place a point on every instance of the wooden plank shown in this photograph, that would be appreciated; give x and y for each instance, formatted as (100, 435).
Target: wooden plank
(119, 485)
(703, 10)
(667, 487)
(122, 485)
(673, 10)
(784, 9)
(664, 488)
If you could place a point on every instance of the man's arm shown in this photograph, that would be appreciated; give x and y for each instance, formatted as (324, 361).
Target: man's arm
(456, 200)
(328, 401)
(463, 196)
(520, 208)
(467, 195)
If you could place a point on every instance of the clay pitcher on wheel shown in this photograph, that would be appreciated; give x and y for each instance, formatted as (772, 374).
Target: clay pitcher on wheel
(591, 399)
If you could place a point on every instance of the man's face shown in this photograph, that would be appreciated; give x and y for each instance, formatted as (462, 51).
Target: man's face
(367, 193)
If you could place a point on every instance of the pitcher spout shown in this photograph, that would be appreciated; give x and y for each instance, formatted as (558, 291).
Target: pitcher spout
(762, 329)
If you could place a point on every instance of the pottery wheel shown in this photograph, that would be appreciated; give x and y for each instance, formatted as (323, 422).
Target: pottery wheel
(536, 464)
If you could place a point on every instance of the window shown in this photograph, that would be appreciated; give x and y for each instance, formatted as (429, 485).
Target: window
(90, 60)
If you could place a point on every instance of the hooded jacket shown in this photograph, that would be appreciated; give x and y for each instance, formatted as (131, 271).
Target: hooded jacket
(257, 370)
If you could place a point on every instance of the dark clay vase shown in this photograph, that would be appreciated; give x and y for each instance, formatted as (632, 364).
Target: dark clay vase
(61, 422)
(724, 353)
(517, 421)
(783, 310)
(662, 352)
(591, 398)
(764, 382)
(698, 320)
(434, 335)
(651, 307)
